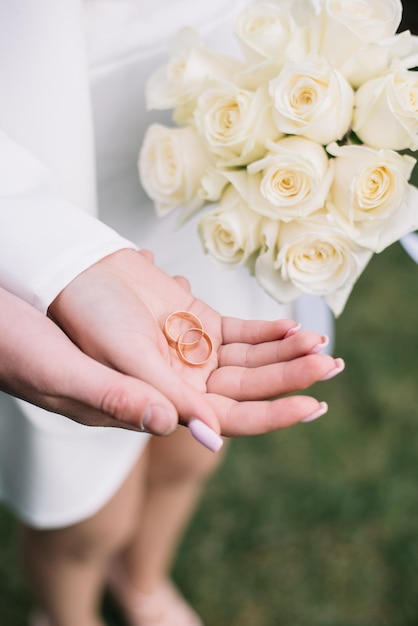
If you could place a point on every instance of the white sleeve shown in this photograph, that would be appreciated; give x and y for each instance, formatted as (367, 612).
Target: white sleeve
(47, 170)
(45, 241)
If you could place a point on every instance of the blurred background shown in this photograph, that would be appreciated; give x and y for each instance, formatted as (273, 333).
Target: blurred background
(316, 525)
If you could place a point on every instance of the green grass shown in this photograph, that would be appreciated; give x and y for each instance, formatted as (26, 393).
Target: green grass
(316, 525)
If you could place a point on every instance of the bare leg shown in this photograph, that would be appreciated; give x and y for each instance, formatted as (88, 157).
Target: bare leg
(65, 567)
(177, 470)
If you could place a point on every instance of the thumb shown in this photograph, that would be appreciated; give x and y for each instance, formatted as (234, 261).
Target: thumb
(191, 404)
(131, 401)
(127, 400)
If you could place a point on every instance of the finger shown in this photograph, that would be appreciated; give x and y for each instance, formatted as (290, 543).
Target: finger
(255, 355)
(273, 380)
(85, 414)
(147, 254)
(255, 418)
(126, 400)
(193, 407)
(183, 282)
(70, 380)
(42, 366)
(122, 403)
(190, 401)
(255, 331)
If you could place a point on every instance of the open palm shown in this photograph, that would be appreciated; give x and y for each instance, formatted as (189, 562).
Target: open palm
(115, 312)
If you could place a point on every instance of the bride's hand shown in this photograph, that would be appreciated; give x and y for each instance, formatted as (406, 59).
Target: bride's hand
(115, 312)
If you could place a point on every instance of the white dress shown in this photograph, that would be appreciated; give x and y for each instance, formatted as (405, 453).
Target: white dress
(54, 472)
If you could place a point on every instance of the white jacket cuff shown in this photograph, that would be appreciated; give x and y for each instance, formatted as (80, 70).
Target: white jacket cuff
(45, 241)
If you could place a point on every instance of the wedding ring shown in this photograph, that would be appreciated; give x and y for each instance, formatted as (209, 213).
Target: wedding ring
(182, 345)
(194, 321)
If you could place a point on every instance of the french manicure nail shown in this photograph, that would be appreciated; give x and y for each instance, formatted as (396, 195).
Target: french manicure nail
(205, 435)
(292, 331)
(314, 416)
(340, 365)
(320, 346)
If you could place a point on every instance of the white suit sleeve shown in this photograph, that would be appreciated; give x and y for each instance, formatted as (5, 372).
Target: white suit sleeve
(47, 167)
(45, 241)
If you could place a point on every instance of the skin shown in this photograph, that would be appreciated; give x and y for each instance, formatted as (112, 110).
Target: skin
(101, 358)
(126, 299)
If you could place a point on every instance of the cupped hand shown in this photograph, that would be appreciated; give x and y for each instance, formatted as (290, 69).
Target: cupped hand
(115, 312)
(40, 364)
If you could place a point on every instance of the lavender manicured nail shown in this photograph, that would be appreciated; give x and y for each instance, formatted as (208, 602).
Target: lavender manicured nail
(314, 416)
(205, 435)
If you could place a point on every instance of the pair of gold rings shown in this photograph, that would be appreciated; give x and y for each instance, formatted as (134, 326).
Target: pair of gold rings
(175, 323)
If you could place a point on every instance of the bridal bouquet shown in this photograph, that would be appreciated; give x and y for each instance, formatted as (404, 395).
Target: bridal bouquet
(297, 149)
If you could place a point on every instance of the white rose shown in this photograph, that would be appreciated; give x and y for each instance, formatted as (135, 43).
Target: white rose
(171, 164)
(310, 256)
(235, 123)
(345, 26)
(177, 84)
(231, 232)
(375, 59)
(253, 76)
(293, 179)
(386, 111)
(270, 35)
(313, 100)
(214, 182)
(265, 30)
(369, 195)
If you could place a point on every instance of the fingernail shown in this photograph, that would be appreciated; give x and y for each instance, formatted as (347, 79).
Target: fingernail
(321, 411)
(340, 365)
(157, 420)
(321, 345)
(205, 435)
(292, 331)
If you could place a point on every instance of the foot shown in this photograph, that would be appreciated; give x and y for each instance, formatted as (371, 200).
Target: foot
(163, 607)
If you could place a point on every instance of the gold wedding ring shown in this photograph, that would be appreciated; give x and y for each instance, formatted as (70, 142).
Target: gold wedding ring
(182, 315)
(174, 324)
(181, 345)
